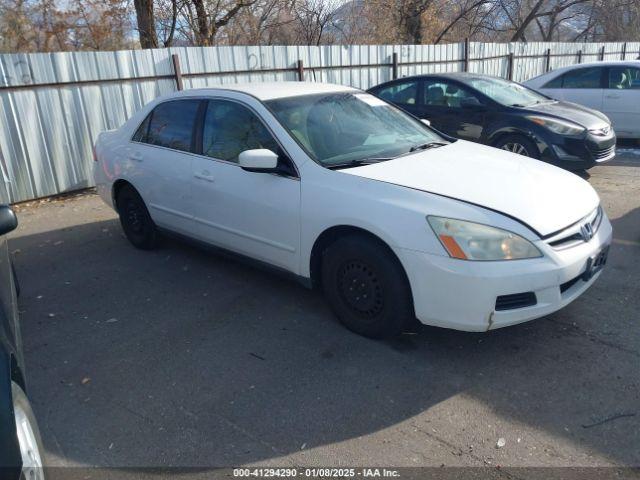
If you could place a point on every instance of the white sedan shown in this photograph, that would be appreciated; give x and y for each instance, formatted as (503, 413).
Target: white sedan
(610, 87)
(347, 193)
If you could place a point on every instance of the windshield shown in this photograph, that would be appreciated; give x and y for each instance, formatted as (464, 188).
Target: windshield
(507, 93)
(346, 127)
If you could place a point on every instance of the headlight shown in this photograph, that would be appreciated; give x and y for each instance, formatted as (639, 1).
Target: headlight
(474, 241)
(558, 126)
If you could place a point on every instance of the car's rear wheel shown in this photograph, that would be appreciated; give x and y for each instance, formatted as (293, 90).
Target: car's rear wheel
(367, 287)
(135, 219)
(29, 439)
(518, 144)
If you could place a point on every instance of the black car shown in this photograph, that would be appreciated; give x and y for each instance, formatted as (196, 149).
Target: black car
(506, 115)
(20, 444)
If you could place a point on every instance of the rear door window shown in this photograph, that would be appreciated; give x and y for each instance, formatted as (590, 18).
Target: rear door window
(171, 125)
(143, 130)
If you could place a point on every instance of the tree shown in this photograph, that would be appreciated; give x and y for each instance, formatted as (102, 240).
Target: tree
(312, 19)
(207, 17)
(146, 23)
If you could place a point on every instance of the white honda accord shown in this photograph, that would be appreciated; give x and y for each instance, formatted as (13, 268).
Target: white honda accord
(392, 220)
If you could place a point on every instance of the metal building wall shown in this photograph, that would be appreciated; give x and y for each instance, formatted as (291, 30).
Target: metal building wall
(53, 105)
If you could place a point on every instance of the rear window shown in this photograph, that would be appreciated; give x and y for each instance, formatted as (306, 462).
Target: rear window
(555, 83)
(170, 125)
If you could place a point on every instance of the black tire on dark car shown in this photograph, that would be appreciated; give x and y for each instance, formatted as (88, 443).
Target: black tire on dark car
(135, 219)
(366, 287)
(518, 144)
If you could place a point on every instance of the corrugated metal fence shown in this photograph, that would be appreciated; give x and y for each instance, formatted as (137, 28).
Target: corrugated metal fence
(53, 105)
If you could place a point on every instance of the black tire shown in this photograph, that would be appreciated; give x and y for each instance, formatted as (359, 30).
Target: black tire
(530, 148)
(135, 219)
(367, 287)
(31, 446)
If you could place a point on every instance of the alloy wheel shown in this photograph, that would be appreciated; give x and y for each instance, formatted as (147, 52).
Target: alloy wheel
(29, 450)
(516, 148)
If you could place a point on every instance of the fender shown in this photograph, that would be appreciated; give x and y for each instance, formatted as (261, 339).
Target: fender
(494, 132)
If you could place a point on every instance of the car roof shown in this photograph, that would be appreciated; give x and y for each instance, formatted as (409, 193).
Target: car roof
(560, 70)
(270, 90)
(604, 63)
(463, 77)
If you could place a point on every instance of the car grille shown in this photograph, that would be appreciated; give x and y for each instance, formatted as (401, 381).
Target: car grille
(516, 300)
(572, 235)
(604, 153)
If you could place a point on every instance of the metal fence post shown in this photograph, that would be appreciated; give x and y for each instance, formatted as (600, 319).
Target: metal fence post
(510, 67)
(394, 65)
(466, 54)
(547, 67)
(300, 68)
(579, 56)
(175, 60)
(624, 51)
(602, 53)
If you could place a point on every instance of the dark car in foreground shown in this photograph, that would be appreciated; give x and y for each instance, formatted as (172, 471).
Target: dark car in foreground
(20, 445)
(506, 115)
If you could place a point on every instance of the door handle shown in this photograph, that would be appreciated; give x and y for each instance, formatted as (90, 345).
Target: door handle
(206, 176)
(136, 157)
(612, 96)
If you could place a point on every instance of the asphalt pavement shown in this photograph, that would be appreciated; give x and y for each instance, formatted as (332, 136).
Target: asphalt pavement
(183, 358)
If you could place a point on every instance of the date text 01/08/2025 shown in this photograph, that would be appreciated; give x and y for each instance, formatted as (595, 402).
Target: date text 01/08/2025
(316, 472)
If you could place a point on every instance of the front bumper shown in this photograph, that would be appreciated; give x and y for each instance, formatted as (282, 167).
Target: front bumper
(578, 153)
(462, 295)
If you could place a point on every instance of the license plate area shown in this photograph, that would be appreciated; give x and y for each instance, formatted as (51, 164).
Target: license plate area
(595, 264)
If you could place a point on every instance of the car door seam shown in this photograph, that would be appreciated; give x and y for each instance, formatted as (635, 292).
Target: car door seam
(256, 238)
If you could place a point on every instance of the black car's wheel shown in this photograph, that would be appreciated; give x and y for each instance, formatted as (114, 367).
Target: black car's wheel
(367, 287)
(518, 144)
(29, 439)
(135, 219)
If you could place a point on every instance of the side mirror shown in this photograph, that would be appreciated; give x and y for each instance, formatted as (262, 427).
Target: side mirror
(8, 220)
(258, 160)
(426, 122)
(470, 102)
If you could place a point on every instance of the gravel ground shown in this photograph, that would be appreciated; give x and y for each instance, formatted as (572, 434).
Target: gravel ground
(181, 358)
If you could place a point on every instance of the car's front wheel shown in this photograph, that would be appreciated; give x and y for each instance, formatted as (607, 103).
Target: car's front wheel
(135, 219)
(518, 144)
(29, 439)
(367, 287)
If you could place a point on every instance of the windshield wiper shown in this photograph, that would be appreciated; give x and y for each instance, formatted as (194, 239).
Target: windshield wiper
(425, 146)
(359, 163)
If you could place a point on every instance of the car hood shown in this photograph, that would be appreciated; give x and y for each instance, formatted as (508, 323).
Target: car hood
(588, 118)
(544, 197)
